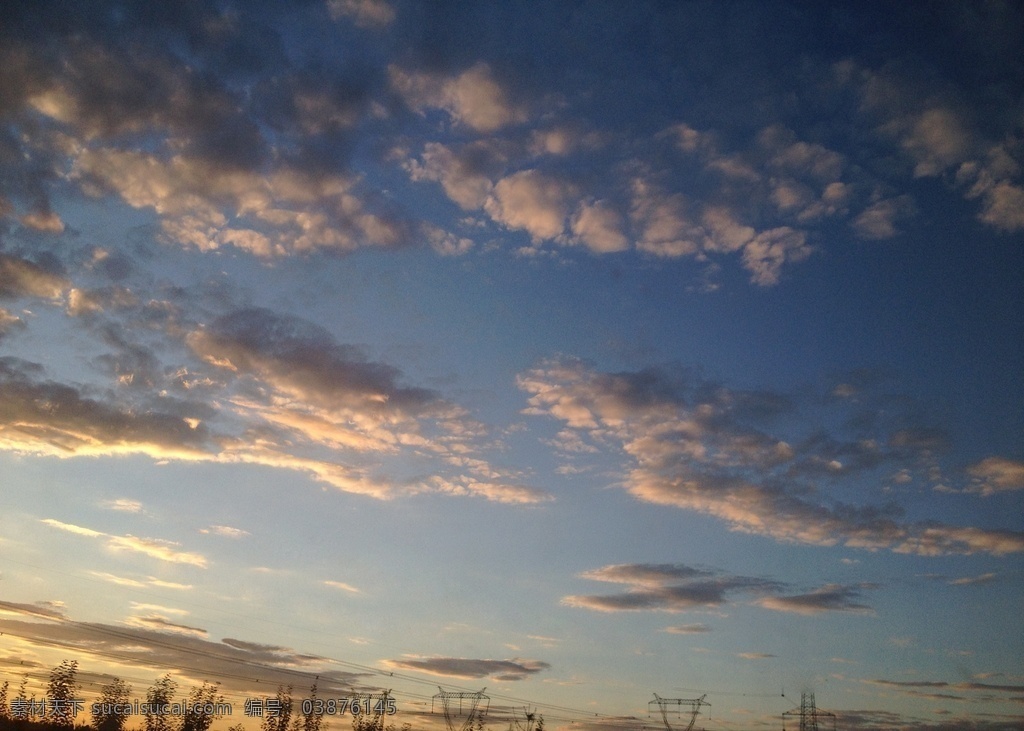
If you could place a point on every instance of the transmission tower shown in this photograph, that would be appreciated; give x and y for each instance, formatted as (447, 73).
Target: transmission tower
(529, 725)
(459, 703)
(675, 705)
(809, 714)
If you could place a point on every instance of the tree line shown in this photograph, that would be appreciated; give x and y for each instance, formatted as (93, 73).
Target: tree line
(161, 711)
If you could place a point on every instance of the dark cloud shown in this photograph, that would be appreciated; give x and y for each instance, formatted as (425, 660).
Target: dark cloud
(39, 609)
(303, 359)
(828, 598)
(60, 419)
(666, 587)
(162, 644)
(457, 667)
(644, 573)
(22, 278)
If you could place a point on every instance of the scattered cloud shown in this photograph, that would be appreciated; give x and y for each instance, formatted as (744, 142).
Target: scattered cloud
(152, 547)
(703, 447)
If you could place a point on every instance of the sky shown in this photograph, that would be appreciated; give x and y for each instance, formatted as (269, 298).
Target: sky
(574, 351)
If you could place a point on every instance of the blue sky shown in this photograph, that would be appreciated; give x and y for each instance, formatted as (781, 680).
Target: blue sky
(581, 351)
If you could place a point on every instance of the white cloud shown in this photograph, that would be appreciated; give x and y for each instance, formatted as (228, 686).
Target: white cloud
(878, 221)
(226, 531)
(599, 227)
(464, 174)
(152, 547)
(530, 201)
(341, 585)
(474, 98)
(769, 250)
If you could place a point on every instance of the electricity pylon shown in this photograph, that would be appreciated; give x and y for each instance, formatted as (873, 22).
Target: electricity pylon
(470, 702)
(530, 725)
(665, 703)
(809, 714)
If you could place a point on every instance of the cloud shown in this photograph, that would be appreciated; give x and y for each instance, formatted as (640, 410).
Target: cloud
(972, 580)
(301, 361)
(996, 474)
(364, 13)
(341, 585)
(644, 574)
(162, 624)
(9, 323)
(828, 598)
(277, 391)
(1004, 207)
(665, 587)
(457, 667)
(493, 491)
(764, 255)
(152, 547)
(155, 642)
(465, 172)
(226, 531)
(139, 583)
(531, 201)
(670, 225)
(702, 447)
(599, 228)
(289, 211)
(39, 609)
(124, 505)
(878, 221)
(21, 278)
(687, 629)
(474, 98)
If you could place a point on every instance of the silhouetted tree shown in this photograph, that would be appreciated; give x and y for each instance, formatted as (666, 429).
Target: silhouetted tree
(278, 713)
(60, 692)
(200, 709)
(117, 692)
(159, 696)
(20, 709)
(312, 717)
(5, 715)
